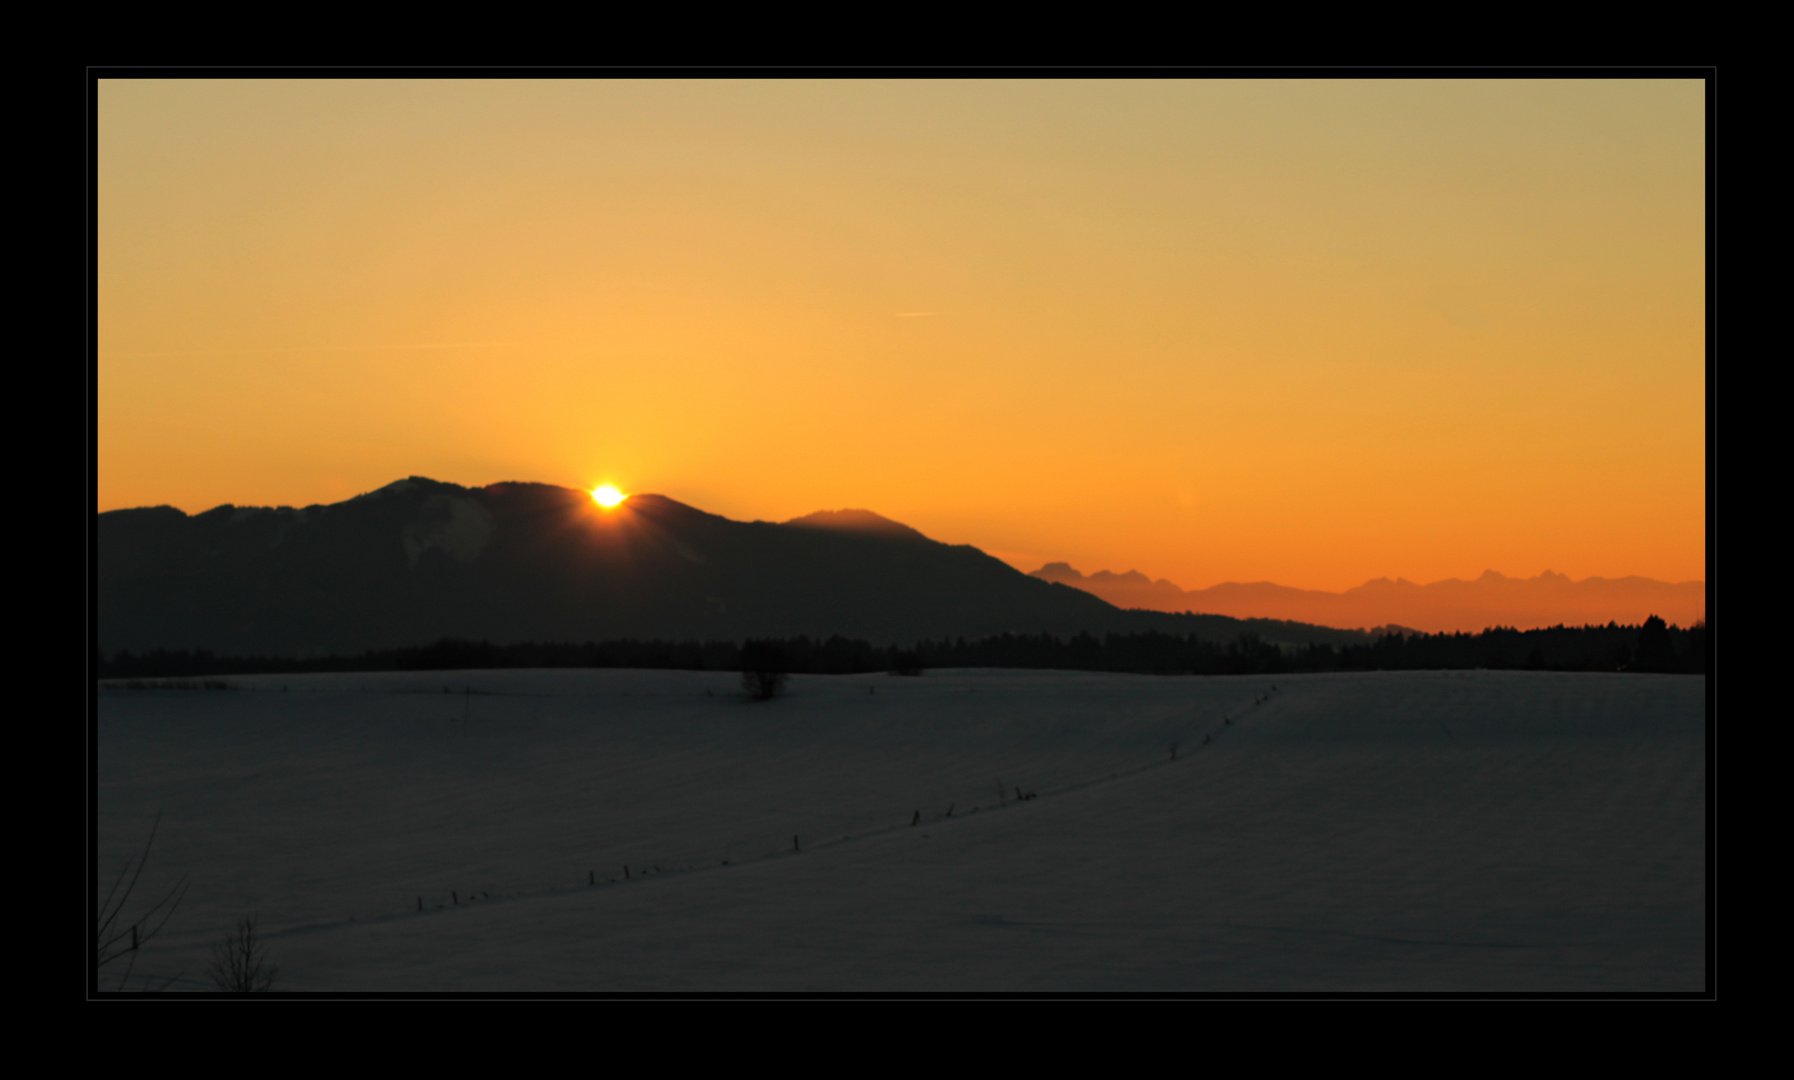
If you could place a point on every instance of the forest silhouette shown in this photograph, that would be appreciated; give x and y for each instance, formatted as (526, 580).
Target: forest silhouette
(1653, 646)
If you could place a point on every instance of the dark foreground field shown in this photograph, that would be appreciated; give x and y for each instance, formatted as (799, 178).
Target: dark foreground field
(1397, 831)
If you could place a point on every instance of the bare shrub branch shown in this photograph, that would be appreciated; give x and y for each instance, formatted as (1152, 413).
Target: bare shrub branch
(115, 938)
(240, 962)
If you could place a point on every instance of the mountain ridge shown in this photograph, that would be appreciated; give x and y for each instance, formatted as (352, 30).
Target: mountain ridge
(1450, 605)
(419, 560)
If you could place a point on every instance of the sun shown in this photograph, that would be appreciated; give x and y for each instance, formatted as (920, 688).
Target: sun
(607, 496)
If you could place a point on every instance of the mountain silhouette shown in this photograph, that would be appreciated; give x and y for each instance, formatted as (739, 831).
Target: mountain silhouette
(419, 560)
(1492, 599)
(857, 521)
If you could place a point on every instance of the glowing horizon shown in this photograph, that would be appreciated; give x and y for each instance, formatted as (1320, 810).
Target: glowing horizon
(1309, 332)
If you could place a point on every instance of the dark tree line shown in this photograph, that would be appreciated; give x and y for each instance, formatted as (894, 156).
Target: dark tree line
(1653, 646)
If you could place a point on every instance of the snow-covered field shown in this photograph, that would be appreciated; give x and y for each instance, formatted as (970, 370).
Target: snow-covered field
(1400, 831)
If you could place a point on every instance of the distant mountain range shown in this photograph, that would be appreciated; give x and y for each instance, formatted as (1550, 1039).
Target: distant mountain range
(1491, 600)
(420, 560)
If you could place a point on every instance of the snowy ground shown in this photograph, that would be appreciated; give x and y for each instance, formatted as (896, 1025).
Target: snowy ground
(1401, 831)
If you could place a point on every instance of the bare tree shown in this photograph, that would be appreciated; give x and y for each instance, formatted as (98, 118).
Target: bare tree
(114, 937)
(764, 670)
(240, 962)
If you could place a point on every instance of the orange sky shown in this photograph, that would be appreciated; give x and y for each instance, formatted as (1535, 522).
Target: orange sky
(1313, 332)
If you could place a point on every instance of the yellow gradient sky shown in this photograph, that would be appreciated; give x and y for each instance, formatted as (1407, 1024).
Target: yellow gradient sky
(1311, 332)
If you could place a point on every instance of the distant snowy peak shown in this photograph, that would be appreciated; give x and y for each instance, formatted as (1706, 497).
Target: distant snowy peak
(861, 521)
(1490, 599)
(1139, 590)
